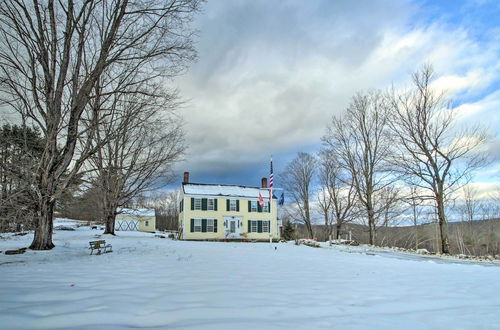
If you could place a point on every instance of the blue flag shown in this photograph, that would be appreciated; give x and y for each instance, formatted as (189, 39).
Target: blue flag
(282, 199)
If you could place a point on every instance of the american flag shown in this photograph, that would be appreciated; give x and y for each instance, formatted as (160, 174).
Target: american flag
(261, 200)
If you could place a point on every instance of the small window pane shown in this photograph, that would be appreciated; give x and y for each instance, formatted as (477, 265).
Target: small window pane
(253, 226)
(210, 225)
(210, 205)
(197, 225)
(197, 203)
(232, 205)
(265, 226)
(254, 206)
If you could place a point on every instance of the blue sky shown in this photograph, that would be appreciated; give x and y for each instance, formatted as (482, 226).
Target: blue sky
(271, 74)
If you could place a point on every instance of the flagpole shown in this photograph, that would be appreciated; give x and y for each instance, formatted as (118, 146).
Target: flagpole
(271, 184)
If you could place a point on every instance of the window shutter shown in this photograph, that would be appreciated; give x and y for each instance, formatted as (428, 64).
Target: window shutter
(182, 205)
(259, 226)
(215, 204)
(203, 204)
(268, 207)
(192, 203)
(215, 225)
(268, 226)
(237, 205)
(259, 208)
(203, 225)
(249, 206)
(192, 225)
(249, 226)
(227, 204)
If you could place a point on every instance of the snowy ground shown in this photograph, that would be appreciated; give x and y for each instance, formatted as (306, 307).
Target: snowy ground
(153, 282)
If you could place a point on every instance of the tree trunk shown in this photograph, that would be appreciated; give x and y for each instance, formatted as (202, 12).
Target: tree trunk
(308, 219)
(371, 226)
(43, 231)
(443, 233)
(338, 227)
(110, 223)
(309, 230)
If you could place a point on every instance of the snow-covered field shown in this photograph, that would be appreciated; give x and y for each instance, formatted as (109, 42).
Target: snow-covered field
(150, 282)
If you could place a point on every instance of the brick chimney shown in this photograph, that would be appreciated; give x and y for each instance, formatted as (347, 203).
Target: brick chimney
(264, 182)
(186, 177)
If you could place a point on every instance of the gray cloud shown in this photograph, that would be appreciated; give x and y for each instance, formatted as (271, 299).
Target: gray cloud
(271, 74)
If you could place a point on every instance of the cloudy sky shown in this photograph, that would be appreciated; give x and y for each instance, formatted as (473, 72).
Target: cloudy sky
(271, 74)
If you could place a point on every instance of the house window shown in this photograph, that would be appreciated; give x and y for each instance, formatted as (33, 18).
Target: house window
(197, 203)
(203, 225)
(266, 207)
(210, 204)
(210, 225)
(197, 225)
(253, 226)
(253, 207)
(146, 223)
(265, 226)
(258, 226)
(232, 205)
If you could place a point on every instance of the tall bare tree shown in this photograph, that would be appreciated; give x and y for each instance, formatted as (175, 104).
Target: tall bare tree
(359, 141)
(141, 139)
(52, 55)
(432, 152)
(297, 180)
(337, 198)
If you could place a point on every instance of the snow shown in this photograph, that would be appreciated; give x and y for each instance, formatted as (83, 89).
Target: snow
(136, 212)
(223, 190)
(154, 282)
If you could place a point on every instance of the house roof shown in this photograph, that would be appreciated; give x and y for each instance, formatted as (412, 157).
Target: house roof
(136, 212)
(224, 190)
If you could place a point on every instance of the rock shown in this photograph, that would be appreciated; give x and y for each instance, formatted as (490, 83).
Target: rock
(308, 242)
(64, 228)
(422, 251)
(18, 251)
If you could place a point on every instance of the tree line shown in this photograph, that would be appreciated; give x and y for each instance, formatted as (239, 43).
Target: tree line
(89, 79)
(388, 147)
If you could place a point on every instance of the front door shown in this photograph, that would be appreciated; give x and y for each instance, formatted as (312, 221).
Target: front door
(232, 227)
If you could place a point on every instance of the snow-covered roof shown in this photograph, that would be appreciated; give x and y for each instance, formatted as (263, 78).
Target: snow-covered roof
(223, 190)
(136, 212)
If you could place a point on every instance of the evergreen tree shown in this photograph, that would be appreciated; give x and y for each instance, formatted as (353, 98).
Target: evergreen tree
(20, 151)
(288, 232)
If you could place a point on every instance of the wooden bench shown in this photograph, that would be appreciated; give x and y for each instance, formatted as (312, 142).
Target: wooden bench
(100, 246)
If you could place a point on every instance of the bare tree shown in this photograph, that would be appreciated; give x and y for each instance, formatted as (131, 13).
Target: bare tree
(141, 139)
(358, 140)
(168, 208)
(470, 205)
(388, 208)
(52, 55)
(432, 152)
(337, 198)
(297, 181)
(415, 202)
